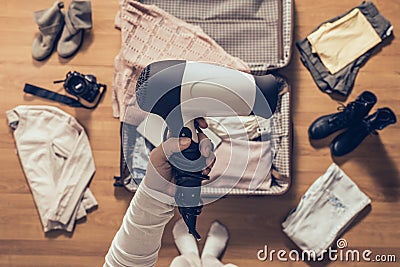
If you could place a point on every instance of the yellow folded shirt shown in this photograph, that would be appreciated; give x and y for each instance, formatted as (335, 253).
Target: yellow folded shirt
(343, 41)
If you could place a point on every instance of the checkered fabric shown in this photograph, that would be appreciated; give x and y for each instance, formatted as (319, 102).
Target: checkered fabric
(258, 32)
(281, 136)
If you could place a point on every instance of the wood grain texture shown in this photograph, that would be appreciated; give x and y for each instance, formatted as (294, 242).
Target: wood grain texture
(253, 221)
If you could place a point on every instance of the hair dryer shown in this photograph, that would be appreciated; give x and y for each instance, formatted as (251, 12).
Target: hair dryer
(180, 91)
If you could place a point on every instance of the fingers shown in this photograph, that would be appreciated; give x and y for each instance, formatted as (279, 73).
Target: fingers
(161, 153)
(210, 163)
(202, 123)
(174, 145)
(206, 150)
(206, 146)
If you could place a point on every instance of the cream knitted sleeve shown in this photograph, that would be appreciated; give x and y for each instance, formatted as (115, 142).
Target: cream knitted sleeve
(138, 240)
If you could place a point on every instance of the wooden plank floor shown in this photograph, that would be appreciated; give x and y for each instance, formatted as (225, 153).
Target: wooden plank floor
(253, 222)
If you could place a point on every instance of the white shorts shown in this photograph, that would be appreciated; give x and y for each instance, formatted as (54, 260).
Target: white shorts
(325, 210)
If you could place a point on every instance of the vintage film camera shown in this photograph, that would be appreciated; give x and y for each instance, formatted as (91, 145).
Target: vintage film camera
(82, 86)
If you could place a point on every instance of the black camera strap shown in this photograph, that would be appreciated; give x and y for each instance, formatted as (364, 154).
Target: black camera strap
(44, 93)
(47, 94)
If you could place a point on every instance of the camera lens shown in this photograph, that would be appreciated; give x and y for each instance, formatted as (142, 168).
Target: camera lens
(77, 85)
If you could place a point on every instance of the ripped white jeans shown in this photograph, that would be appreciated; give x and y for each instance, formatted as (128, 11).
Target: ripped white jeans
(325, 210)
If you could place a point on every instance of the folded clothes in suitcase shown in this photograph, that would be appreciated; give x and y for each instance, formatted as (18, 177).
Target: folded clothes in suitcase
(258, 32)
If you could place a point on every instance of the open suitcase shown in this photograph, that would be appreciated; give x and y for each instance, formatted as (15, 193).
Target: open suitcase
(258, 32)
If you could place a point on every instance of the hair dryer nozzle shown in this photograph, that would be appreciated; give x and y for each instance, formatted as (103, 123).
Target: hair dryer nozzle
(266, 98)
(158, 87)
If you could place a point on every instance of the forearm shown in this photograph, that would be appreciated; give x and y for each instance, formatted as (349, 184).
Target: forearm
(139, 238)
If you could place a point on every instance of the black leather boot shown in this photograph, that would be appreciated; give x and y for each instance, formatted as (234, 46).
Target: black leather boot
(353, 113)
(350, 139)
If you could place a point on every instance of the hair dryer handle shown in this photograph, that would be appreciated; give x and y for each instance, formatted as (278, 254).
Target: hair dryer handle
(188, 166)
(189, 160)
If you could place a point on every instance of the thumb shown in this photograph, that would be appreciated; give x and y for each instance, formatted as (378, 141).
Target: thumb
(184, 142)
(174, 145)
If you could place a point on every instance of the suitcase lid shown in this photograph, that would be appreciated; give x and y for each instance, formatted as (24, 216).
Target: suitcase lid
(258, 32)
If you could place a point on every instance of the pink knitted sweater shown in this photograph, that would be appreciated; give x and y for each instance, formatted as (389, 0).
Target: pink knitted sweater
(150, 34)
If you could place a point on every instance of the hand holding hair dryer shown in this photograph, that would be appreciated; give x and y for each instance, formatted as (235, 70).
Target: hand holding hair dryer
(180, 91)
